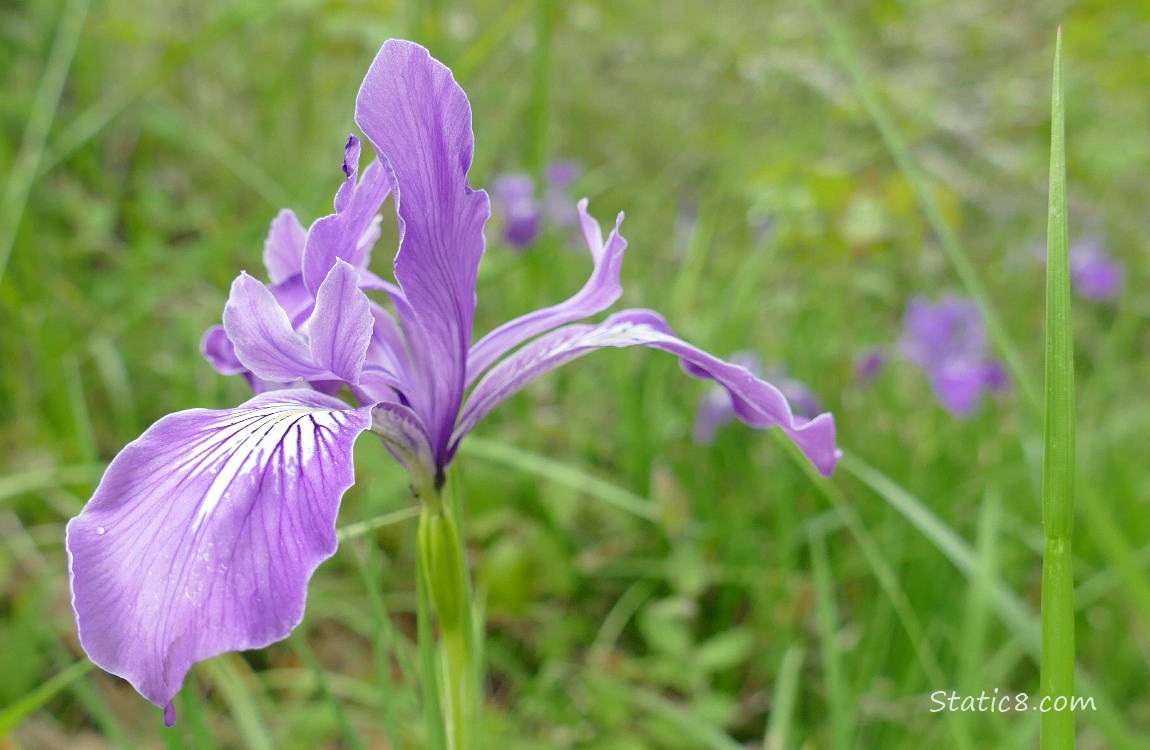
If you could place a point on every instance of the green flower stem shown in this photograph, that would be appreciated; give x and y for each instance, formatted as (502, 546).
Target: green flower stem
(1057, 668)
(444, 569)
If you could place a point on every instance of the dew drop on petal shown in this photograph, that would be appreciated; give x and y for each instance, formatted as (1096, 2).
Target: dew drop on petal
(100, 530)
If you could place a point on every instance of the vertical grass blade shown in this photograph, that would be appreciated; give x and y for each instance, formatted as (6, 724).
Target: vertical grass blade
(1057, 670)
(40, 117)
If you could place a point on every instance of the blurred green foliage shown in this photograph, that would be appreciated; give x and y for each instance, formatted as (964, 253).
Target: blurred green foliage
(181, 128)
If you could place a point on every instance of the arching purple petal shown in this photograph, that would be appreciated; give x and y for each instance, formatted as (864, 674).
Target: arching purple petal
(263, 336)
(600, 292)
(339, 330)
(203, 533)
(419, 121)
(756, 402)
(283, 248)
(352, 230)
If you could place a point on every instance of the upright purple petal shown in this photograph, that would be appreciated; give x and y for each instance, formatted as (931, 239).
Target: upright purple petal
(340, 329)
(756, 402)
(419, 121)
(203, 533)
(351, 231)
(283, 248)
(600, 292)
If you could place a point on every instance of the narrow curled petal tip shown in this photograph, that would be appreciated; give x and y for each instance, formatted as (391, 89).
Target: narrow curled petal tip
(170, 714)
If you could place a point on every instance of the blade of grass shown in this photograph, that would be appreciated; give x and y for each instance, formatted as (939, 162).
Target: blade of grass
(225, 672)
(1010, 608)
(557, 471)
(976, 611)
(384, 640)
(300, 644)
(40, 117)
(1057, 669)
(429, 671)
(917, 180)
(362, 528)
(12, 715)
(191, 713)
(786, 697)
(838, 695)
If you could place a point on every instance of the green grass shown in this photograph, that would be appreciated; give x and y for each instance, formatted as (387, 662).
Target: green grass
(638, 590)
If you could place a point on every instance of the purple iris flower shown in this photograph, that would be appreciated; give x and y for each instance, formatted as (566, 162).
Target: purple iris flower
(1094, 274)
(716, 408)
(513, 199)
(203, 533)
(524, 216)
(948, 343)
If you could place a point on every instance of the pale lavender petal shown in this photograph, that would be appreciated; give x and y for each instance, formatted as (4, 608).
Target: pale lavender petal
(756, 402)
(218, 350)
(600, 292)
(419, 121)
(351, 231)
(263, 336)
(283, 248)
(295, 299)
(203, 533)
(340, 329)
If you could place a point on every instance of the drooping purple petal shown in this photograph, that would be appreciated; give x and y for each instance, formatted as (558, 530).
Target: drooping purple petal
(419, 121)
(600, 292)
(340, 329)
(283, 248)
(218, 350)
(756, 402)
(203, 533)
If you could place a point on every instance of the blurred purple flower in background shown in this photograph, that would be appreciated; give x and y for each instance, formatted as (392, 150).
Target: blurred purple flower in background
(716, 408)
(948, 343)
(523, 215)
(513, 201)
(1094, 274)
(203, 533)
(870, 363)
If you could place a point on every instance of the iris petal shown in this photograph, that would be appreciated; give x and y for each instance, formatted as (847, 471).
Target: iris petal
(340, 329)
(600, 292)
(283, 248)
(204, 532)
(756, 402)
(419, 121)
